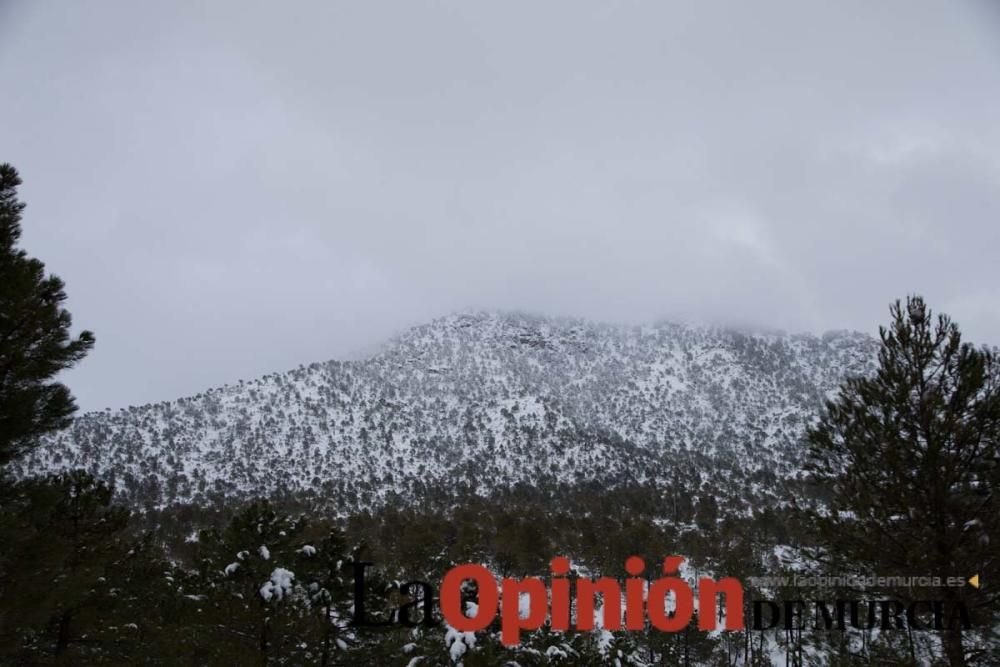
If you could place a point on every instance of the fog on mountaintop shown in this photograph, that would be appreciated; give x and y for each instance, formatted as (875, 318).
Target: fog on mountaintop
(230, 189)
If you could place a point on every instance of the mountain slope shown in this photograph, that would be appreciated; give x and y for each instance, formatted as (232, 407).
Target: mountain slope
(479, 401)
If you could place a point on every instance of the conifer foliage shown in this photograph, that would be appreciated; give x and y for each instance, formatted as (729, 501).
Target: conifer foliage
(35, 341)
(909, 458)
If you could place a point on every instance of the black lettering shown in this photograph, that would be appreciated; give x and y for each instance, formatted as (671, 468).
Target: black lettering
(793, 610)
(426, 598)
(757, 609)
(359, 618)
(896, 613)
(911, 614)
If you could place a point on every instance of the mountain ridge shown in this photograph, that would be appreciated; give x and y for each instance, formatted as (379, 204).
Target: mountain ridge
(479, 400)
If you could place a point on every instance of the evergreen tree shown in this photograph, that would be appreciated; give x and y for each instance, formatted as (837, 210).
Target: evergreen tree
(251, 588)
(909, 458)
(58, 538)
(35, 342)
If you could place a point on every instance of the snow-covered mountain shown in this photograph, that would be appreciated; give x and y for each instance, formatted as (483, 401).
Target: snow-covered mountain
(478, 401)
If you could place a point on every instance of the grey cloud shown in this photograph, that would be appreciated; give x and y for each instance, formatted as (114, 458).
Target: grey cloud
(234, 188)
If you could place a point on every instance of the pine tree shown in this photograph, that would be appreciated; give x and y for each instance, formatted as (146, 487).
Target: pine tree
(909, 458)
(35, 342)
(252, 587)
(58, 537)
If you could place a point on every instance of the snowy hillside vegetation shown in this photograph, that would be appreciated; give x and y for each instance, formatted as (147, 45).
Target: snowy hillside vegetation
(477, 402)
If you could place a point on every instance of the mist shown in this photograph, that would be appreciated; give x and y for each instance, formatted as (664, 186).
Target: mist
(240, 188)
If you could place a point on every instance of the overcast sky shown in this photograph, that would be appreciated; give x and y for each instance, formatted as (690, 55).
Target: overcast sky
(233, 189)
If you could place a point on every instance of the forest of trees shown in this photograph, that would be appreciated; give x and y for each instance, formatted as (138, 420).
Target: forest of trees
(902, 474)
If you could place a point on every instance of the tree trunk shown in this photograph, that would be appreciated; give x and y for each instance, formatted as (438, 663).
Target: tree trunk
(953, 648)
(62, 640)
(262, 640)
(325, 660)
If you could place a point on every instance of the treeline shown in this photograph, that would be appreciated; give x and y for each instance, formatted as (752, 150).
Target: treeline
(272, 583)
(86, 582)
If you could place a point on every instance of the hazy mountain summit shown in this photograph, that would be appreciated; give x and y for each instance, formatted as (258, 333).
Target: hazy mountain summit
(479, 401)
